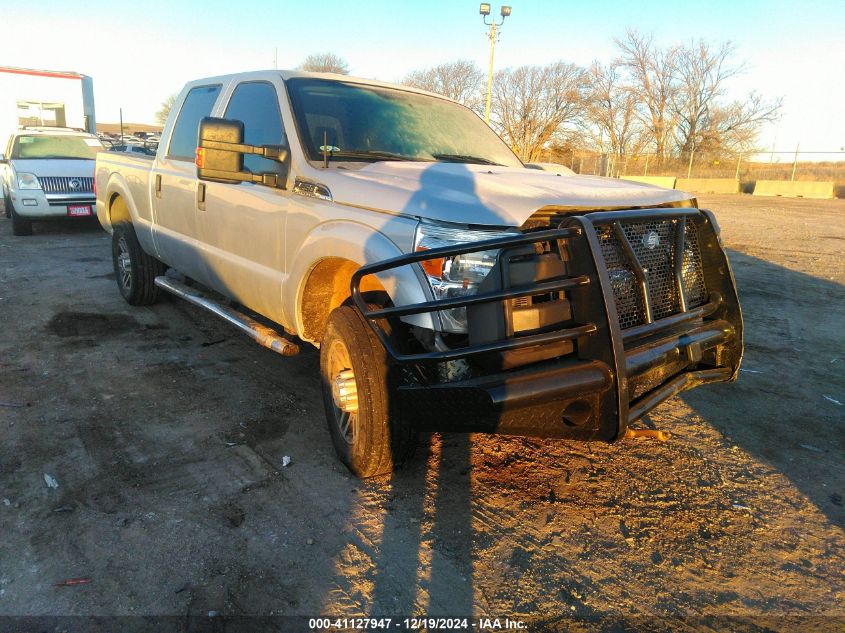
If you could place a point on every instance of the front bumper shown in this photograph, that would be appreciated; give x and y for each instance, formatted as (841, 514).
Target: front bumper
(34, 204)
(585, 377)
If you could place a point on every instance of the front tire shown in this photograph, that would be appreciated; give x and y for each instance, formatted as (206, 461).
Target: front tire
(134, 270)
(20, 226)
(372, 439)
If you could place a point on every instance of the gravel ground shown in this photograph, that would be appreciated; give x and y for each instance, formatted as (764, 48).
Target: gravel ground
(165, 432)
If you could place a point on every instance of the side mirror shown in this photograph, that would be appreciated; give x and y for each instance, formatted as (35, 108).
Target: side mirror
(220, 154)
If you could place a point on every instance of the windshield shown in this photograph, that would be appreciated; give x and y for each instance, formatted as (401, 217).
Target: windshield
(44, 146)
(360, 122)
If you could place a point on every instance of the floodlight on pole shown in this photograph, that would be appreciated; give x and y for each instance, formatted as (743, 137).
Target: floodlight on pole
(493, 36)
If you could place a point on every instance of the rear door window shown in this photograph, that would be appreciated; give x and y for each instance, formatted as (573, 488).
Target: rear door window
(257, 105)
(198, 105)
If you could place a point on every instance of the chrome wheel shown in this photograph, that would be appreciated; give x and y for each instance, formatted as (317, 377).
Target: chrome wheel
(344, 390)
(124, 264)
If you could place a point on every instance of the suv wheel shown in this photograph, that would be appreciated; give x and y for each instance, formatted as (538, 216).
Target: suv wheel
(134, 270)
(359, 393)
(19, 225)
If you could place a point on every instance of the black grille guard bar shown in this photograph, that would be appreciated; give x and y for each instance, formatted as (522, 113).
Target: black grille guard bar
(556, 284)
(594, 323)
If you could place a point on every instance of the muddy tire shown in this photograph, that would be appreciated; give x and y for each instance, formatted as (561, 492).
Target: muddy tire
(134, 270)
(19, 225)
(373, 440)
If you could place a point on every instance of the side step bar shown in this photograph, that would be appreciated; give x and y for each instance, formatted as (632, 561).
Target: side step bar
(261, 334)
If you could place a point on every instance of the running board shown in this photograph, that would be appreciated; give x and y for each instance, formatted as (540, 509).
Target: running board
(261, 334)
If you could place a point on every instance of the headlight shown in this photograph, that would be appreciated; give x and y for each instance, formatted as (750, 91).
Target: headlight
(28, 181)
(456, 276)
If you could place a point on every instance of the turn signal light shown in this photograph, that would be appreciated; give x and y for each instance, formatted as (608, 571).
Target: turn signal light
(432, 267)
(200, 159)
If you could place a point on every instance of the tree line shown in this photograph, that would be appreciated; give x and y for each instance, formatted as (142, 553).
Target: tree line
(666, 101)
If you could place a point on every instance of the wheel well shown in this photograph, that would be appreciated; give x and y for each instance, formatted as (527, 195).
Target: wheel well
(118, 210)
(327, 288)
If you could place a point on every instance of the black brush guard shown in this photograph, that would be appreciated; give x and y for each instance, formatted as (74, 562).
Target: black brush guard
(608, 377)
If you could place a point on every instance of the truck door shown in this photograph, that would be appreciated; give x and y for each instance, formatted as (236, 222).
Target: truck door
(174, 187)
(242, 225)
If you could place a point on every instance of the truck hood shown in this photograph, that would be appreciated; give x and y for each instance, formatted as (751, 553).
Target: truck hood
(82, 167)
(482, 194)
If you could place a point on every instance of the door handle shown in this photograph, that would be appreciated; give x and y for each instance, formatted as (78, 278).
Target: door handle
(201, 196)
(158, 185)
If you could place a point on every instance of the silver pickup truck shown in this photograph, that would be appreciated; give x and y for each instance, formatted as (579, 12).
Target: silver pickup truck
(448, 287)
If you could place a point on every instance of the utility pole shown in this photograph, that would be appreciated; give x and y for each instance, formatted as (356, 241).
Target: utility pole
(795, 161)
(493, 36)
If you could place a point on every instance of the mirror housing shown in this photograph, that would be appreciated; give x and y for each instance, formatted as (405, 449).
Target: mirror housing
(220, 154)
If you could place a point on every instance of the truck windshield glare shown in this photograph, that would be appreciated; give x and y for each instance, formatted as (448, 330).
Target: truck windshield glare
(370, 123)
(56, 147)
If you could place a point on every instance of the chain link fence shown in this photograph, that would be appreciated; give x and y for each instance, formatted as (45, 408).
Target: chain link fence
(822, 166)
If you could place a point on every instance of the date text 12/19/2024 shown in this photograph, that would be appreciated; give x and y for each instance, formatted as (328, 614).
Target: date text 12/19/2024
(416, 624)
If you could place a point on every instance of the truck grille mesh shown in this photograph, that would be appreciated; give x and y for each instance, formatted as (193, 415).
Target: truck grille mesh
(65, 184)
(653, 244)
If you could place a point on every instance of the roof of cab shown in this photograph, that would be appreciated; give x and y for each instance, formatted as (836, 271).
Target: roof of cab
(295, 74)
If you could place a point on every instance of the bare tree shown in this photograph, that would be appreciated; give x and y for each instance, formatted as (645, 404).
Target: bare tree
(734, 127)
(532, 104)
(703, 122)
(701, 72)
(325, 63)
(610, 115)
(460, 80)
(166, 106)
(652, 73)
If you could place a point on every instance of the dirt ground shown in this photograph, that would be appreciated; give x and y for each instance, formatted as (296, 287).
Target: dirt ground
(165, 431)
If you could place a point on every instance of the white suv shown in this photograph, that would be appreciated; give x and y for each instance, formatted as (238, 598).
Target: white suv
(47, 173)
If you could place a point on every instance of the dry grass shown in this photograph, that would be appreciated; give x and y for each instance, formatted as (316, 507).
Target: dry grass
(749, 172)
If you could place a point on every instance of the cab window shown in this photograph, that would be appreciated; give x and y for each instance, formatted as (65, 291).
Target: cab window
(198, 105)
(256, 104)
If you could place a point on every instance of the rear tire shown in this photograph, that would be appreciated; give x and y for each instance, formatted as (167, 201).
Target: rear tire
(135, 271)
(20, 226)
(374, 440)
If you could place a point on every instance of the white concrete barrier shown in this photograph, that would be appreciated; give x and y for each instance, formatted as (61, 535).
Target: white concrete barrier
(794, 189)
(708, 185)
(667, 182)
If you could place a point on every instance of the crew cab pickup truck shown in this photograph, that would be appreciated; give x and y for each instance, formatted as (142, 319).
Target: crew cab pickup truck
(447, 287)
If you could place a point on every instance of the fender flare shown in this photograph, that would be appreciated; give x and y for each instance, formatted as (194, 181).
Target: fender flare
(143, 228)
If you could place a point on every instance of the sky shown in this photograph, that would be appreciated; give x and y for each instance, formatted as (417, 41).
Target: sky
(140, 52)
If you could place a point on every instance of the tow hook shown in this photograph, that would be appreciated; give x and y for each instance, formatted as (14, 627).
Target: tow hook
(632, 434)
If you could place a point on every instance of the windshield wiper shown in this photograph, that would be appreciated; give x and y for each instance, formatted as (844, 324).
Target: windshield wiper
(465, 158)
(372, 153)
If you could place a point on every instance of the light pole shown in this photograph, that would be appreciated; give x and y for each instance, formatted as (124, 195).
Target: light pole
(493, 36)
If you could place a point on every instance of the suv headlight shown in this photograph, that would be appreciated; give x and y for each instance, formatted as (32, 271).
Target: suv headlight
(456, 276)
(28, 181)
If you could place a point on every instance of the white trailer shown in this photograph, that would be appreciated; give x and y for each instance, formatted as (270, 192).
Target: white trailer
(45, 98)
